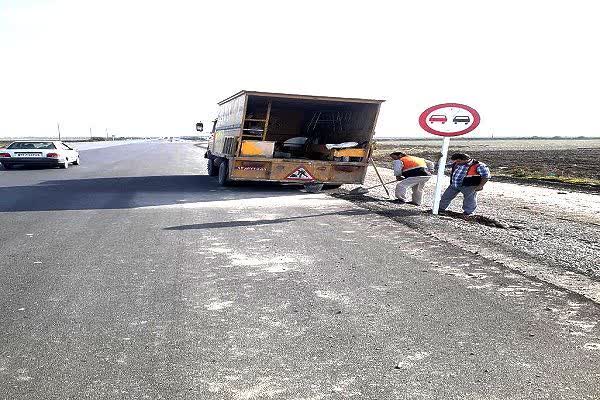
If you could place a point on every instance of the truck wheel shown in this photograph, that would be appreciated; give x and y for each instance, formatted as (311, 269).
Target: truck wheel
(212, 169)
(313, 187)
(223, 172)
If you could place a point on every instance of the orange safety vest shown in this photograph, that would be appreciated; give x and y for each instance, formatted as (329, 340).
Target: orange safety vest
(472, 171)
(413, 166)
(472, 177)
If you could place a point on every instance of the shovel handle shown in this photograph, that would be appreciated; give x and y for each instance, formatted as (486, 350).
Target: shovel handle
(387, 183)
(379, 176)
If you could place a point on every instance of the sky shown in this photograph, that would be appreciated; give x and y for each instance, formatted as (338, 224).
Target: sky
(155, 68)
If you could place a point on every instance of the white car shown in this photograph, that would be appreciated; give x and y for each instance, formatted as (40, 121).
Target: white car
(49, 153)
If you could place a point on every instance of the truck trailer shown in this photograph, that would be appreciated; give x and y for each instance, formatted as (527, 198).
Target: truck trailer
(290, 138)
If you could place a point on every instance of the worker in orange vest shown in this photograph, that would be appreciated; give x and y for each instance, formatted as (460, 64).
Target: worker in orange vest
(412, 173)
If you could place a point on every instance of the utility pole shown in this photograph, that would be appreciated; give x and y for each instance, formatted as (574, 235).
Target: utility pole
(91, 133)
(58, 127)
(106, 133)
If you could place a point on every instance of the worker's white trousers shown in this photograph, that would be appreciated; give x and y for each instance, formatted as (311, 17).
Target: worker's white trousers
(416, 183)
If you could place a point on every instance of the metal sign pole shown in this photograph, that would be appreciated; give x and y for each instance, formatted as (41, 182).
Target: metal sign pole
(440, 176)
(433, 119)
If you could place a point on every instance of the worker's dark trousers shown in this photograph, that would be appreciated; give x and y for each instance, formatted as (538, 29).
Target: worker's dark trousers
(469, 201)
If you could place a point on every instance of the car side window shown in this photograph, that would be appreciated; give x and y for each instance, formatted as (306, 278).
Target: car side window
(65, 147)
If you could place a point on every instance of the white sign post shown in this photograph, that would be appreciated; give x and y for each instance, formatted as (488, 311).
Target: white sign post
(447, 120)
(440, 176)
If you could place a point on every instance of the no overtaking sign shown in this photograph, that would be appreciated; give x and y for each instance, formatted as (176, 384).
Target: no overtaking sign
(447, 120)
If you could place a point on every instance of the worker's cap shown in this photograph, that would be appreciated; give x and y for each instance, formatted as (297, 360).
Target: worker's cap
(397, 153)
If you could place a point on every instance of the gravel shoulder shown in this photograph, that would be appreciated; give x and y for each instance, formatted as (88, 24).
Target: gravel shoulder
(549, 235)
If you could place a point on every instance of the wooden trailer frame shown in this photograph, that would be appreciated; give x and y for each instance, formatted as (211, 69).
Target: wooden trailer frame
(235, 151)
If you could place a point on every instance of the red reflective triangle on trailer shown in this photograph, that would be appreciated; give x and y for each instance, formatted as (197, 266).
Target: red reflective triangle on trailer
(300, 174)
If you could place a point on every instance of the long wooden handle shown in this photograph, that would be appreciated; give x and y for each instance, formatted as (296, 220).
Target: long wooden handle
(379, 176)
(387, 183)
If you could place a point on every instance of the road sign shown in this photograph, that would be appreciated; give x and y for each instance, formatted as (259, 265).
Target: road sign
(449, 119)
(300, 174)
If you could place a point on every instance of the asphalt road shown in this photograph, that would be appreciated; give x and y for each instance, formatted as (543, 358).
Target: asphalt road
(136, 276)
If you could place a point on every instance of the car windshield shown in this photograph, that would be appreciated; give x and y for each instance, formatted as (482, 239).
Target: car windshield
(31, 145)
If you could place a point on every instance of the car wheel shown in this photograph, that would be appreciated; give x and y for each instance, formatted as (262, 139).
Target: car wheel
(77, 161)
(223, 172)
(7, 166)
(212, 169)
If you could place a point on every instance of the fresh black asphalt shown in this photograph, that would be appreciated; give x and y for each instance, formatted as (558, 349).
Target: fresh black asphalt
(136, 276)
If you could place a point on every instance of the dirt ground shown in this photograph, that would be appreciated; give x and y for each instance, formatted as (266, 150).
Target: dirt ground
(565, 162)
(548, 234)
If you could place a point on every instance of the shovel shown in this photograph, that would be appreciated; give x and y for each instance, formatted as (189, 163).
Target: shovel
(364, 190)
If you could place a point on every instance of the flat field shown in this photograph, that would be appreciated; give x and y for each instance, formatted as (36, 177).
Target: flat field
(563, 161)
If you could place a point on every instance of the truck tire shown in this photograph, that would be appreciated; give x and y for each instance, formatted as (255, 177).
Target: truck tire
(223, 172)
(211, 168)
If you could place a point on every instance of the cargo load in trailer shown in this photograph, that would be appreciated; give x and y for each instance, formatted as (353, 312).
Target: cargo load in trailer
(288, 138)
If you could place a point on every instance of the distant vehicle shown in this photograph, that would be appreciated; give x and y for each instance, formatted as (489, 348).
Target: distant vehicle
(461, 118)
(47, 153)
(438, 118)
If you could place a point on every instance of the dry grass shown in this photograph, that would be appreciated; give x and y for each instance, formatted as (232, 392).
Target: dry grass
(525, 173)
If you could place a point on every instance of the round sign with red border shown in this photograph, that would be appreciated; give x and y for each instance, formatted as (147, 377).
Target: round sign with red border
(449, 119)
